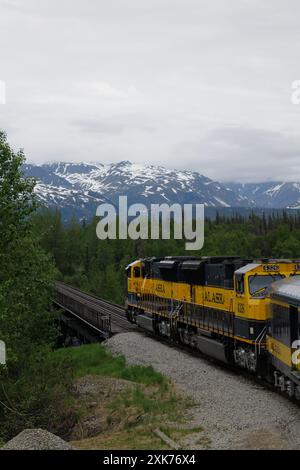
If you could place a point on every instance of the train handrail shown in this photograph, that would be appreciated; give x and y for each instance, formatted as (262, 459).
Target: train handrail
(259, 339)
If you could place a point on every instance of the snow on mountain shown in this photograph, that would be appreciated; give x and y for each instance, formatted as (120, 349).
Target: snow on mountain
(272, 194)
(78, 188)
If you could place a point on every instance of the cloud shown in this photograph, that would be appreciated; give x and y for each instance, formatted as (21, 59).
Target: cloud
(197, 84)
(247, 155)
(115, 124)
(104, 89)
(83, 92)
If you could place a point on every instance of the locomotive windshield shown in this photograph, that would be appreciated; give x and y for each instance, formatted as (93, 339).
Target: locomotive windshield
(259, 284)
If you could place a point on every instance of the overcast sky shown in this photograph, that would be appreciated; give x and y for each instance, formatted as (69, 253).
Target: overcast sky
(202, 85)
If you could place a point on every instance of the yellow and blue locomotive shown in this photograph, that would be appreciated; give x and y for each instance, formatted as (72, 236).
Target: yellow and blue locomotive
(239, 311)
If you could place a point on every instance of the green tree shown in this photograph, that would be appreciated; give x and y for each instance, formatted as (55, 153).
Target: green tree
(26, 274)
(29, 382)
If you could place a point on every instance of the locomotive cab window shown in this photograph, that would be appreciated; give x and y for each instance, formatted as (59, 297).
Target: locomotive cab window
(136, 272)
(259, 284)
(240, 283)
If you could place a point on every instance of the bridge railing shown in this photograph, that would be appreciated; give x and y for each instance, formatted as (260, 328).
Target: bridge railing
(84, 309)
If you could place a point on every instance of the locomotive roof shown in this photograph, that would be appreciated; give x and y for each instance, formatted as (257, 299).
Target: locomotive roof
(247, 267)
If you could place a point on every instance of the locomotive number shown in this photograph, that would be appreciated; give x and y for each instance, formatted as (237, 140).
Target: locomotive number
(271, 267)
(160, 288)
(241, 308)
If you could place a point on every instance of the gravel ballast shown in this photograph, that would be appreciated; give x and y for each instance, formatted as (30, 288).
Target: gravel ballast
(36, 439)
(235, 412)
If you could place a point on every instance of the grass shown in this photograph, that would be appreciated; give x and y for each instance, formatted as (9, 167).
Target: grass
(131, 439)
(151, 404)
(139, 438)
(94, 359)
(133, 413)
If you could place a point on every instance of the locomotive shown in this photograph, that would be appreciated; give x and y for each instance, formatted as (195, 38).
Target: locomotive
(243, 312)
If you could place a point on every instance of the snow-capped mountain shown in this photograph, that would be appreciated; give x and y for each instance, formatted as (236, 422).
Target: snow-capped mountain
(78, 188)
(277, 195)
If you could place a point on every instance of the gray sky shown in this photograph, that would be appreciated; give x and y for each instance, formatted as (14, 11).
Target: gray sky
(202, 85)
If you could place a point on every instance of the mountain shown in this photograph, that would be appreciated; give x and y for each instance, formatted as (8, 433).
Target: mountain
(78, 188)
(278, 195)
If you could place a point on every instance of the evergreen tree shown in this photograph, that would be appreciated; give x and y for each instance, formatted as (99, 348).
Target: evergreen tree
(30, 383)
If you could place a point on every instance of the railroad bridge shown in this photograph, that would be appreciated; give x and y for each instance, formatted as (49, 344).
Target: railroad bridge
(91, 318)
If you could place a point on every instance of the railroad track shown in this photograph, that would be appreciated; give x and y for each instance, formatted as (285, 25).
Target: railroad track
(116, 312)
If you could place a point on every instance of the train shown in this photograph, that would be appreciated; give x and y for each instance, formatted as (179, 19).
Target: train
(244, 312)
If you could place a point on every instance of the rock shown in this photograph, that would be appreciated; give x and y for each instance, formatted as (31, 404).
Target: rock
(36, 439)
